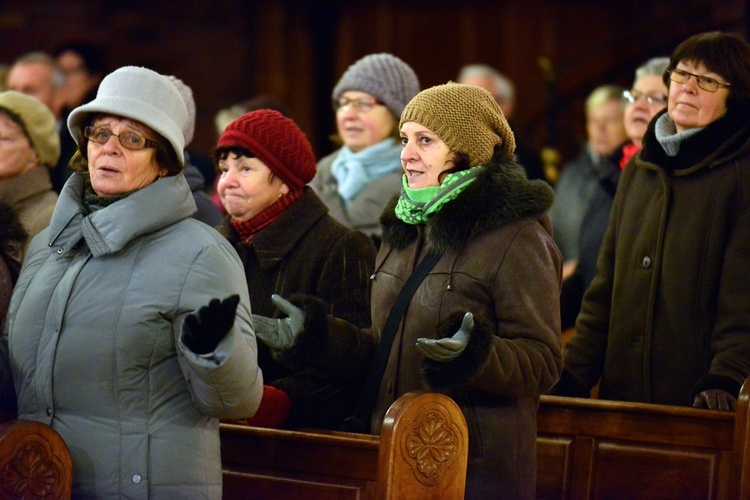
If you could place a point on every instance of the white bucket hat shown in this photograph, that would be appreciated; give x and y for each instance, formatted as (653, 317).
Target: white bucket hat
(142, 95)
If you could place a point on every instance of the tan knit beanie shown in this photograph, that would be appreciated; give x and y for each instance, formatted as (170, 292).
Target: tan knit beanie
(465, 117)
(38, 122)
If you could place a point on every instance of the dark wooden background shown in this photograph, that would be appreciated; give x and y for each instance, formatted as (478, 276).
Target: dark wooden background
(231, 50)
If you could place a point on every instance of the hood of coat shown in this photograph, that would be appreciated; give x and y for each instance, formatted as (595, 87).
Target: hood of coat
(718, 143)
(193, 177)
(110, 229)
(500, 195)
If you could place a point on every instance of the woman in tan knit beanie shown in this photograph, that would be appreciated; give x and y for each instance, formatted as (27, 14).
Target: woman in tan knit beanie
(484, 325)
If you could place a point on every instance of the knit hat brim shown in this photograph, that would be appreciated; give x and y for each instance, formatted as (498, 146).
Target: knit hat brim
(259, 150)
(276, 141)
(465, 117)
(385, 77)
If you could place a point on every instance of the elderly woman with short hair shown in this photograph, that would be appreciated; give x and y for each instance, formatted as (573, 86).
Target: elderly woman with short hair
(665, 320)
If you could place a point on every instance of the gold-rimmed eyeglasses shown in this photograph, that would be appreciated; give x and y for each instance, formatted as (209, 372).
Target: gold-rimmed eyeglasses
(128, 140)
(705, 82)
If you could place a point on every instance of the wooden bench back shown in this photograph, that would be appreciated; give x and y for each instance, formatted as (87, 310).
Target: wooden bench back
(422, 452)
(608, 449)
(586, 449)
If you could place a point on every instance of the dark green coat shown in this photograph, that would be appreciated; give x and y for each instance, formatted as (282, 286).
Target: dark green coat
(668, 314)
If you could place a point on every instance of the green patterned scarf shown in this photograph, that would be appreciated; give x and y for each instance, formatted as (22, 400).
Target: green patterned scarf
(415, 206)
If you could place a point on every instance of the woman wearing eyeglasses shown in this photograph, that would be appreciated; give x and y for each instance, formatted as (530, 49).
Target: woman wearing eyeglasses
(129, 330)
(666, 317)
(357, 181)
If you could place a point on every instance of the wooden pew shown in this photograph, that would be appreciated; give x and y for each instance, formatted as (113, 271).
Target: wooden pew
(607, 449)
(421, 452)
(34, 462)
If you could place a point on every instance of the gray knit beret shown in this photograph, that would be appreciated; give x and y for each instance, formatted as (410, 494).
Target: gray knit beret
(465, 117)
(385, 77)
(143, 95)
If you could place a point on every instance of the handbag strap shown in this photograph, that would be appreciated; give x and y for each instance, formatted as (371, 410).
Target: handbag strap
(359, 421)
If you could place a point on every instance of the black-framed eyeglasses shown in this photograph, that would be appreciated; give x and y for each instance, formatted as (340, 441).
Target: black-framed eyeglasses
(128, 140)
(360, 104)
(705, 82)
(632, 96)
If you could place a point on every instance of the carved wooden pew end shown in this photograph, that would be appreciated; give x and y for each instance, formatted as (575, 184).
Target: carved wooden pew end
(424, 445)
(34, 462)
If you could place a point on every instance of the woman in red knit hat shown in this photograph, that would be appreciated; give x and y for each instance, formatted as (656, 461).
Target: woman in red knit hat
(290, 244)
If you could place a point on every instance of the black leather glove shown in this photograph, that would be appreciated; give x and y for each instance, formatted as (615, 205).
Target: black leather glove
(715, 399)
(202, 331)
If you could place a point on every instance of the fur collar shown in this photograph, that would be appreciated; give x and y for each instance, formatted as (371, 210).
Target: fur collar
(500, 195)
(12, 238)
(10, 225)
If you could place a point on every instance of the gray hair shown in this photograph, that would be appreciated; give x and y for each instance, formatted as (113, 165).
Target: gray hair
(503, 86)
(38, 57)
(656, 66)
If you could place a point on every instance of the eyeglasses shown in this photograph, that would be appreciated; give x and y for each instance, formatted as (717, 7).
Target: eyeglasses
(631, 97)
(128, 140)
(360, 105)
(705, 82)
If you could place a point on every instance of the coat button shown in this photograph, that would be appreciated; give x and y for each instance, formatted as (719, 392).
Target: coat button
(646, 262)
(49, 412)
(136, 478)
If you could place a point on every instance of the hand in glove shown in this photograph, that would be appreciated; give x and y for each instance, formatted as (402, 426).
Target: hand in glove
(448, 349)
(280, 334)
(202, 331)
(715, 399)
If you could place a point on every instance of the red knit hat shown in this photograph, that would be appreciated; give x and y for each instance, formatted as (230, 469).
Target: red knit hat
(276, 141)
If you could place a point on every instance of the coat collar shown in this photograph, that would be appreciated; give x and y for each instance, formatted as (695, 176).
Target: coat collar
(24, 186)
(273, 243)
(110, 229)
(500, 195)
(719, 142)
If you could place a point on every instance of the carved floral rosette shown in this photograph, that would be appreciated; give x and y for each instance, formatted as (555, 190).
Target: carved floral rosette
(430, 444)
(33, 472)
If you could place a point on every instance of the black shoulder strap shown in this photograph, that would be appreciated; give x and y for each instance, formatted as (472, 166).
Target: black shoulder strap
(360, 420)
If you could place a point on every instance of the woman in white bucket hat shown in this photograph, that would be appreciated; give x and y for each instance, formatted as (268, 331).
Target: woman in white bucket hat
(129, 330)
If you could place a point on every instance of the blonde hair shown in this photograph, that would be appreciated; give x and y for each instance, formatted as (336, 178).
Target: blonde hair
(603, 94)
